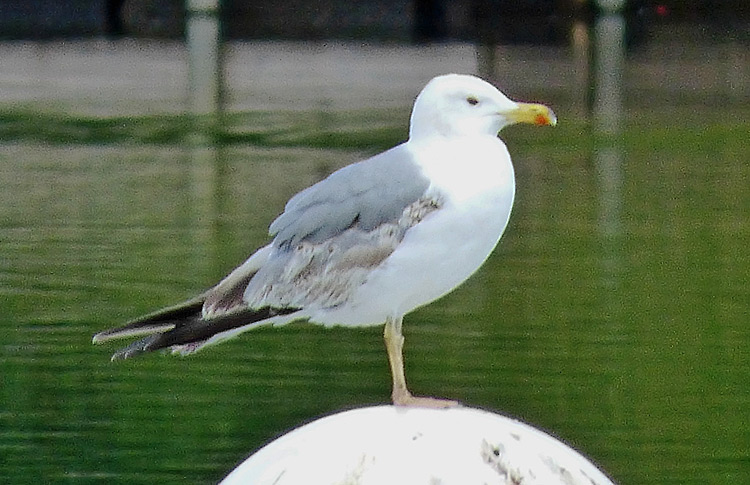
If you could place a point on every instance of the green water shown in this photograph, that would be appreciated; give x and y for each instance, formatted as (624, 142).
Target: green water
(613, 314)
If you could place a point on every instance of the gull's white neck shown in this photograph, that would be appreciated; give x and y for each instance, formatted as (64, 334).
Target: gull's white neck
(465, 167)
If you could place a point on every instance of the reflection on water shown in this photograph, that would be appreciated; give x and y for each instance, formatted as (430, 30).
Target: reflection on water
(613, 313)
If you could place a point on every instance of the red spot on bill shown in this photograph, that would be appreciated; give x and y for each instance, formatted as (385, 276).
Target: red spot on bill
(541, 120)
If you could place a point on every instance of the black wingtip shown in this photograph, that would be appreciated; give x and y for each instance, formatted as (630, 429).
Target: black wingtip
(138, 329)
(158, 322)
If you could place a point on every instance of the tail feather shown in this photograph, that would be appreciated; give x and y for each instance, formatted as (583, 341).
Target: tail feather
(136, 348)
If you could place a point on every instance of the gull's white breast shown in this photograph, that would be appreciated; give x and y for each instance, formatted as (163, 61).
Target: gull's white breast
(474, 182)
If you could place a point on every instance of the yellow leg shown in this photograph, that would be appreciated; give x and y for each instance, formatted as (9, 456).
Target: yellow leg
(394, 344)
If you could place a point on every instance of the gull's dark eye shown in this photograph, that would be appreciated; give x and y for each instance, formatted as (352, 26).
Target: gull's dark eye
(472, 100)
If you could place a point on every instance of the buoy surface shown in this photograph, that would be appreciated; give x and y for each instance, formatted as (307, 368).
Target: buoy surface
(395, 445)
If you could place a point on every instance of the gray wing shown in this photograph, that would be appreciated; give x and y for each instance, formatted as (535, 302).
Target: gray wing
(327, 241)
(332, 234)
(365, 194)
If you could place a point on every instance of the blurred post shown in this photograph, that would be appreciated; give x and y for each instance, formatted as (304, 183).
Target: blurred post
(609, 64)
(581, 47)
(203, 40)
(487, 61)
(203, 36)
(486, 39)
(609, 41)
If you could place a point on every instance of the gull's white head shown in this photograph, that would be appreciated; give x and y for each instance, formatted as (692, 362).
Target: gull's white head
(456, 104)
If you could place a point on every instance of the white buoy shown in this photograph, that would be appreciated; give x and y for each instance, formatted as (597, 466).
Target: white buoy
(416, 446)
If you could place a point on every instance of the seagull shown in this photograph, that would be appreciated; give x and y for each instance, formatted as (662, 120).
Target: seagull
(372, 241)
